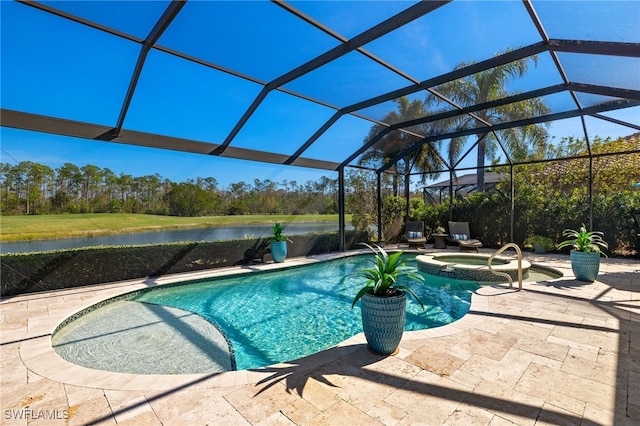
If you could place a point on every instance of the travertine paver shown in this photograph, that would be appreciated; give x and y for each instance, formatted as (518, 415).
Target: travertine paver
(506, 402)
(87, 404)
(559, 352)
(430, 398)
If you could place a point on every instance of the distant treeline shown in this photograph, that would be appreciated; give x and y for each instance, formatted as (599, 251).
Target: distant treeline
(32, 188)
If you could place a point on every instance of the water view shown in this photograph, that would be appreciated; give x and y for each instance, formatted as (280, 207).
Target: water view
(158, 237)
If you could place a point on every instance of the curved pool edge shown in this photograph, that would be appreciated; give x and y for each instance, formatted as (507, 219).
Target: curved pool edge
(430, 264)
(220, 355)
(39, 356)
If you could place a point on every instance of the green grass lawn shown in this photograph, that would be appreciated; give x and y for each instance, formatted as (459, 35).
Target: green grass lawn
(23, 228)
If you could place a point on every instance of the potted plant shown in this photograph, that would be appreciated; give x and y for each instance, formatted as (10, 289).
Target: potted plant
(585, 256)
(540, 243)
(384, 300)
(278, 243)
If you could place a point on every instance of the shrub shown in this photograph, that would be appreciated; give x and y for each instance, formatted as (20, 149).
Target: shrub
(33, 272)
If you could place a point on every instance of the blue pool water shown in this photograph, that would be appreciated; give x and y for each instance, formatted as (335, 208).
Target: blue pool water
(276, 317)
(241, 322)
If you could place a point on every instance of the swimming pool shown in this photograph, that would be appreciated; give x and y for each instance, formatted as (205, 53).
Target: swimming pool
(471, 266)
(241, 322)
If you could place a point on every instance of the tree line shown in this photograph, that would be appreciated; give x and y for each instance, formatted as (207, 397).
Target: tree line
(33, 188)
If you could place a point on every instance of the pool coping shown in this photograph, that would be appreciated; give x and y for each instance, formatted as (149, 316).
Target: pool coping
(430, 264)
(38, 355)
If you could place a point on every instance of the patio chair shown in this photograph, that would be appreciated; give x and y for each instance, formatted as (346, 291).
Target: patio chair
(459, 235)
(415, 234)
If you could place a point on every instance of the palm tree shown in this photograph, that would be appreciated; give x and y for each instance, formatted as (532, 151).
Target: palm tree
(393, 143)
(486, 86)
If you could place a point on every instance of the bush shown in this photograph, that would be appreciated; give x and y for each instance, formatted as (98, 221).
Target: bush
(434, 216)
(489, 216)
(393, 208)
(43, 271)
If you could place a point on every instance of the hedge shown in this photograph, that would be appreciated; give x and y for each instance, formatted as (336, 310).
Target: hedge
(52, 270)
(489, 217)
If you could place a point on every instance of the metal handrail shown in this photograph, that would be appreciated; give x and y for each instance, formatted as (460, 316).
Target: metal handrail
(502, 274)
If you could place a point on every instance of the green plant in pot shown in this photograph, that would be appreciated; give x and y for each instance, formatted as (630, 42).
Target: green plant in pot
(278, 243)
(587, 248)
(384, 300)
(540, 243)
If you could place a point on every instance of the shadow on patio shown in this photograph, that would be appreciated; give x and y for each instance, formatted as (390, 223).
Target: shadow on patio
(547, 353)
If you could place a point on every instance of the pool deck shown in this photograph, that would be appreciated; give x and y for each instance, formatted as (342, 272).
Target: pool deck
(557, 352)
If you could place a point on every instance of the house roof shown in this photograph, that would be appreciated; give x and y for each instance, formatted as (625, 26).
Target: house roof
(468, 180)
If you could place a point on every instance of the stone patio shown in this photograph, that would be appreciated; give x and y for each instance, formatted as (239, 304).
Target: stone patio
(562, 352)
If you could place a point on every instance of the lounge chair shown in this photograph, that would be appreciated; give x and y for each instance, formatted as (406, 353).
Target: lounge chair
(415, 234)
(459, 234)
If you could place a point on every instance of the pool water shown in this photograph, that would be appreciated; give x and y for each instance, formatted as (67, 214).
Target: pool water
(279, 316)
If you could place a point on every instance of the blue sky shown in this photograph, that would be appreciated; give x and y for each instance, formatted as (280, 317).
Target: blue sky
(60, 68)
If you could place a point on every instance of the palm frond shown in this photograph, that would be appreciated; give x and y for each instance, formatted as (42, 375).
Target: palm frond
(384, 274)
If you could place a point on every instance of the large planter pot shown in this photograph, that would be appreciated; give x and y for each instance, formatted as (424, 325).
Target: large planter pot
(279, 251)
(383, 321)
(585, 266)
(539, 248)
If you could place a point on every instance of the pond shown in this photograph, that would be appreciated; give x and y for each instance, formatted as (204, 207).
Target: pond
(157, 237)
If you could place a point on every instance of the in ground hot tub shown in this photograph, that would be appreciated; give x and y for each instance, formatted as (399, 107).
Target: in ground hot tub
(471, 266)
